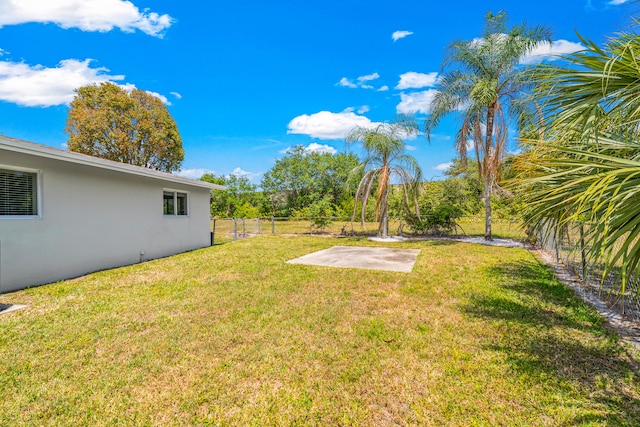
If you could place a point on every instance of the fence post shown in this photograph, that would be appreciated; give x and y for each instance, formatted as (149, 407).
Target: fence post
(583, 258)
(310, 225)
(213, 233)
(235, 229)
(273, 225)
(625, 277)
(244, 230)
(259, 225)
(555, 241)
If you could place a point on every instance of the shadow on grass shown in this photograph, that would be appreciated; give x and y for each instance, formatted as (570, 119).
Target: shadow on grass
(550, 335)
(442, 242)
(531, 294)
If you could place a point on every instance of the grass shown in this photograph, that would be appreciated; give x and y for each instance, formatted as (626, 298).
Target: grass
(233, 336)
(502, 228)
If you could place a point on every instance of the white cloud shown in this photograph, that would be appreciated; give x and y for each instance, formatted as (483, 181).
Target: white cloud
(617, 2)
(87, 15)
(361, 82)
(239, 172)
(364, 109)
(443, 166)
(415, 102)
(410, 147)
(162, 98)
(176, 95)
(38, 86)
(413, 80)
(550, 52)
(397, 35)
(345, 82)
(195, 173)
(327, 125)
(369, 77)
(130, 86)
(314, 147)
(383, 88)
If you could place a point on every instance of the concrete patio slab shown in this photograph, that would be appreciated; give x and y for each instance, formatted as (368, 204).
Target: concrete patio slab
(389, 259)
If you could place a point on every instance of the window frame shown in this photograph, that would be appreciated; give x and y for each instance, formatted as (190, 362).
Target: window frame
(38, 186)
(175, 193)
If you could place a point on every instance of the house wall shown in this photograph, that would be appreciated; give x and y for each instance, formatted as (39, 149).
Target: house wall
(93, 219)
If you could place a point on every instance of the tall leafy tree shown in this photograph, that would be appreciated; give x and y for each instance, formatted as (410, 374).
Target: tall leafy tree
(462, 187)
(304, 177)
(240, 199)
(484, 80)
(131, 127)
(385, 160)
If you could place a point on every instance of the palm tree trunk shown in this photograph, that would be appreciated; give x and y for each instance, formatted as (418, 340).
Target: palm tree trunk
(385, 214)
(488, 170)
(487, 207)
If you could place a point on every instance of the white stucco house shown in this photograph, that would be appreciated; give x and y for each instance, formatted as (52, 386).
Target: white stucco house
(64, 214)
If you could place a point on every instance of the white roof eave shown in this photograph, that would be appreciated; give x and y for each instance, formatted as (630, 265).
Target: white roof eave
(31, 148)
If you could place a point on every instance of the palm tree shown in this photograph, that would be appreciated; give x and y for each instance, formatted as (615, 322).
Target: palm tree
(587, 168)
(588, 181)
(485, 84)
(385, 160)
(601, 94)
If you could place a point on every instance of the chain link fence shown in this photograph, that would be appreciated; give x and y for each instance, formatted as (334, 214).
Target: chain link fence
(229, 229)
(617, 289)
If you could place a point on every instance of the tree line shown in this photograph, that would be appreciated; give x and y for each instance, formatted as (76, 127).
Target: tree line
(323, 189)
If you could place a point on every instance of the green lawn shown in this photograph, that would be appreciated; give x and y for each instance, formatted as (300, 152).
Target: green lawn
(231, 335)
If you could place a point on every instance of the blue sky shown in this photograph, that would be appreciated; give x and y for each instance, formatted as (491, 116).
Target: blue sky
(245, 80)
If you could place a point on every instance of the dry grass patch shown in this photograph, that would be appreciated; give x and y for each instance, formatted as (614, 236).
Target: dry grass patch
(232, 335)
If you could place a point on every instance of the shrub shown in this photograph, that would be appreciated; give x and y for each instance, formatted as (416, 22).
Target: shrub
(435, 221)
(320, 212)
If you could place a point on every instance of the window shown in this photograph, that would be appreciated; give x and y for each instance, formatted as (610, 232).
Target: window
(175, 203)
(169, 204)
(181, 204)
(18, 193)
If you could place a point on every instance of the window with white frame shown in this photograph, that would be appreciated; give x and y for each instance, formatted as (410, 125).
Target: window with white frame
(175, 203)
(18, 192)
